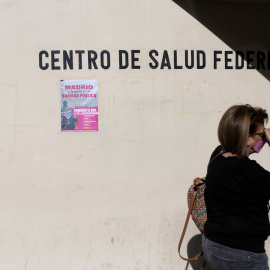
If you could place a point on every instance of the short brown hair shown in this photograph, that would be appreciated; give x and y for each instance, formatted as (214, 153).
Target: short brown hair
(235, 125)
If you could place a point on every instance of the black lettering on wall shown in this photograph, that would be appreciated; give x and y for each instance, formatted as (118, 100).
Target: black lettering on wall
(201, 55)
(250, 59)
(121, 65)
(68, 59)
(54, 60)
(80, 52)
(108, 59)
(260, 60)
(216, 59)
(92, 57)
(239, 60)
(151, 53)
(175, 64)
(228, 60)
(41, 66)
(191, 58)
(134, 59)
(165, 60)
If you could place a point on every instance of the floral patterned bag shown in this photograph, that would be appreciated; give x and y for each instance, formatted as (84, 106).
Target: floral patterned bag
(197, 209)
(198, 213)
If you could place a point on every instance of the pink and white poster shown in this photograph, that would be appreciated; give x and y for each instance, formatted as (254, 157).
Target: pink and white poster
(79, 105)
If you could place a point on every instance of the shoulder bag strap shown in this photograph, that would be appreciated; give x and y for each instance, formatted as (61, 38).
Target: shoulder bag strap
(185, 228)
(187, 220)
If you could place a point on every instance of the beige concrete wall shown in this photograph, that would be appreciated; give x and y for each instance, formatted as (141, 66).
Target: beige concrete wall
(115, 199)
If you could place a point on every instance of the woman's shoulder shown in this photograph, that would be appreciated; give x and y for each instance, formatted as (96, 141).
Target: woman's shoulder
(243, 162)
(216, 151)
(250, 167)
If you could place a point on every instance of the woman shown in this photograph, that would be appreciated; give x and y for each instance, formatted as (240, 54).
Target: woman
(237, 193)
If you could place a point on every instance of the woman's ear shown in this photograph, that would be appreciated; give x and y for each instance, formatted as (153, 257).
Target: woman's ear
(249, 142)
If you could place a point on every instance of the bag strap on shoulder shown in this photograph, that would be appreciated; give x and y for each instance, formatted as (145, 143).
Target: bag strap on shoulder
(187, 220)
(185, 228)
(221, 153)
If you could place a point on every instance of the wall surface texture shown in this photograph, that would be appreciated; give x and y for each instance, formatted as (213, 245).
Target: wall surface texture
(116, 198)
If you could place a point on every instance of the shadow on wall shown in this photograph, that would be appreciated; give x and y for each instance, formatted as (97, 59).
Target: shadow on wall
(194, 247)
(243, 25)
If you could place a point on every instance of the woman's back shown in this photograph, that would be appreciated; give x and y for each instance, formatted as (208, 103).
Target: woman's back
(236, 196)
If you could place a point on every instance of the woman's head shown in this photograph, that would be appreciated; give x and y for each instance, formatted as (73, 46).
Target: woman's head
(236, 124)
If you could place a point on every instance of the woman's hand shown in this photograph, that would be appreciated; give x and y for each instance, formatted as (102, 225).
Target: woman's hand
(267, 134)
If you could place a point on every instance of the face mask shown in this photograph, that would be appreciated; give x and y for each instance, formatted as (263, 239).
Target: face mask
(259, 145)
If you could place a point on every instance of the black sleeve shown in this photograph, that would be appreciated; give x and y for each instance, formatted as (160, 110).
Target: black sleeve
(256, 179)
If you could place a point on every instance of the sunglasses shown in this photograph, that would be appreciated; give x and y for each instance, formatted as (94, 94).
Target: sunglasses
(262, 134)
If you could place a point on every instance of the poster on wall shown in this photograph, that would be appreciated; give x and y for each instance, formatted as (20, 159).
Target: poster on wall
(79, 105)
